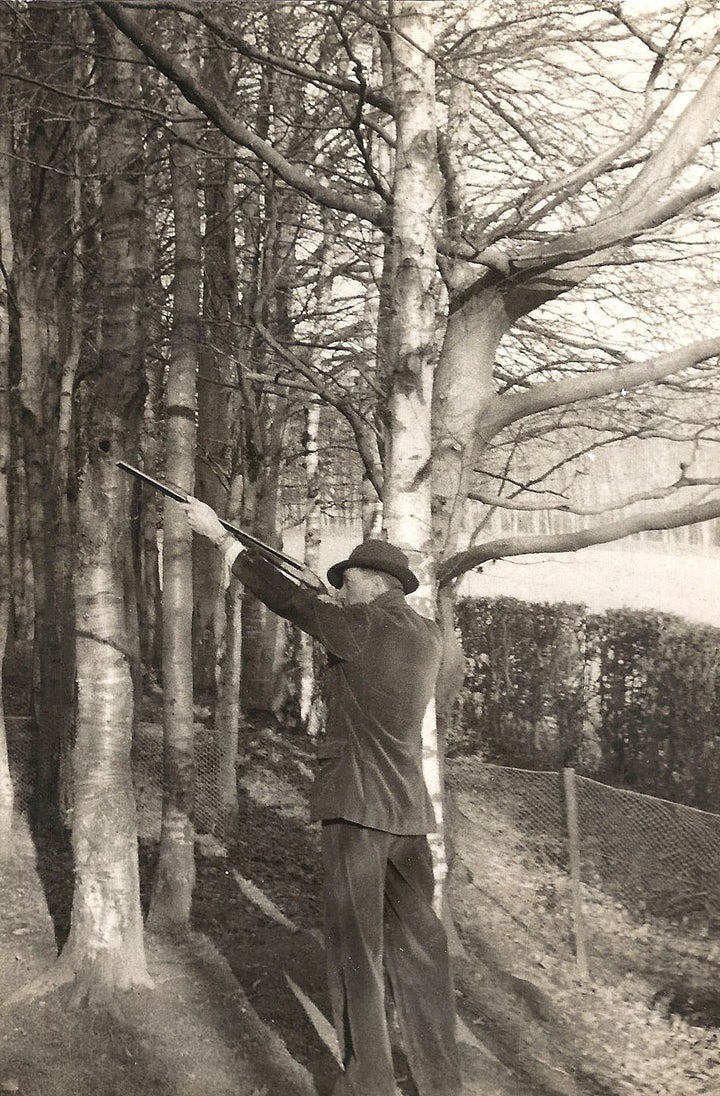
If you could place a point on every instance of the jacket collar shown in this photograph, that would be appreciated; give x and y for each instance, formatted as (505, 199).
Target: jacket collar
(389, 597)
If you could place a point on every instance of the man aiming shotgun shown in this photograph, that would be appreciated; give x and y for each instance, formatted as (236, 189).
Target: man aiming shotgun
(370, 796)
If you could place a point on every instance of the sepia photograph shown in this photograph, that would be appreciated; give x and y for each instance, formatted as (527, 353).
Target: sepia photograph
(360, 547)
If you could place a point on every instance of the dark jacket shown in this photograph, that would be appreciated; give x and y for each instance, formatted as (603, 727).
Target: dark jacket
(383, 664)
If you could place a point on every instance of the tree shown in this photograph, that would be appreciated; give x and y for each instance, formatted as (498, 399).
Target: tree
(217, 606)
(509, 248)
(6, 261)
(175, 874)
(104, 951)
(554, 240)
(519, 281)
(45, 286)
(576, 151)
(412, 347)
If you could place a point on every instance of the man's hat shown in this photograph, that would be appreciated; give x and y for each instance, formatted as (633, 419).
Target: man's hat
(376, 555)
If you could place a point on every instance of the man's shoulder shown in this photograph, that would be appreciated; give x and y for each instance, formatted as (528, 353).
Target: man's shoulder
(395, 603)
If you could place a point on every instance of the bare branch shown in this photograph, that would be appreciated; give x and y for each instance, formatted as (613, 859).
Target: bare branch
(306, 73)
(365, 435)
(512, 406)
(512, 502)
(642, 205)
(533, 544)
(368, 208)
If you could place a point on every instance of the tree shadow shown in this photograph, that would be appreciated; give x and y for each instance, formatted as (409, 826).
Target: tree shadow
(277, 854)
(51, 840)
(55, 866)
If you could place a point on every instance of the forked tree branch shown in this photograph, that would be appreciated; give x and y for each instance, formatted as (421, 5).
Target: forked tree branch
(512, 406)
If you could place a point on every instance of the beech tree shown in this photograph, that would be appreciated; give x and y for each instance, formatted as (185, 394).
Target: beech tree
(533, 209)
(175, 875)
(104, 951)
(644, 177)
(44, 282)
(411, 344)
(217, 606)
(506, 252)
(6, 257)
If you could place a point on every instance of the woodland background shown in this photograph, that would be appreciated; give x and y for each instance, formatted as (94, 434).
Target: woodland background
(448, 270)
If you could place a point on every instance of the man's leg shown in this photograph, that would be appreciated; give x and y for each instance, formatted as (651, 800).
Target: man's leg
(354, 862)
(417, 959)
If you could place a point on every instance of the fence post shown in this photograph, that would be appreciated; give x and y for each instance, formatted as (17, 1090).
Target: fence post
(573, 828)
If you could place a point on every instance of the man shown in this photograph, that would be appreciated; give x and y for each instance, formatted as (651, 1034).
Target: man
(371, 798)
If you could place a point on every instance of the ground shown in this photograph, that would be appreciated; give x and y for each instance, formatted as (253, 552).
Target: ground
(224, 1014)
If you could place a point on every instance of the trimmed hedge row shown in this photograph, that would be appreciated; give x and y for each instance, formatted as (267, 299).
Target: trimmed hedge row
(631, 698)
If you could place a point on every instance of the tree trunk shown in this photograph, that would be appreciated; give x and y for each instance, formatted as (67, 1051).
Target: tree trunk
(47, 286)
(104, 951)
(175, 878)
(463, 394)
(217, 415)
(412, 347)
(6, 250)
(46, 469)
(259, 625)
(146, 513)
(265, 417)
(22, 579)
(221, 302)
(227, 713)
(309, 699)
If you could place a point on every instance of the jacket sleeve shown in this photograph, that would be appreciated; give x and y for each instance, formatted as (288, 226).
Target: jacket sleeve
(340, 629)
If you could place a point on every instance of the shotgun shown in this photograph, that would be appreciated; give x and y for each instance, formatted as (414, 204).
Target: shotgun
(291, 567)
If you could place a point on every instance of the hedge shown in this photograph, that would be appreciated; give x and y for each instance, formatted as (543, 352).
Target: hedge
(631, 698)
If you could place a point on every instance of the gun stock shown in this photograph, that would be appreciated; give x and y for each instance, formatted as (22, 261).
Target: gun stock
(293, 568)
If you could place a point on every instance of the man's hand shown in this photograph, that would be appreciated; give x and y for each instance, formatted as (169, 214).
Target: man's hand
(203, 520)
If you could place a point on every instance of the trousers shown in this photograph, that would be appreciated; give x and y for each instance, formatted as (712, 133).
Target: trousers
(379, 920)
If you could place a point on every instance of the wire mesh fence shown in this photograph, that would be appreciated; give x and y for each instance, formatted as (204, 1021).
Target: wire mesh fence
(656, 861)
(658, 857)
(147, 773)
(651, 857)
(147, 769)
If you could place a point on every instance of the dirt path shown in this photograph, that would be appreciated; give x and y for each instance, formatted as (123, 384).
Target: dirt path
(196, 1033)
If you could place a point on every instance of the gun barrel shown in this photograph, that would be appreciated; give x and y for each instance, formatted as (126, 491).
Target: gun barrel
(164, 488)
(245, 538)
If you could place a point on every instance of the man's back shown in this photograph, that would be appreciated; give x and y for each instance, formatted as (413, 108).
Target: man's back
(383, 665)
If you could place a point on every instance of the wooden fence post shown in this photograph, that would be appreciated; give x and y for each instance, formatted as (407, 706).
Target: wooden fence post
(573, 828)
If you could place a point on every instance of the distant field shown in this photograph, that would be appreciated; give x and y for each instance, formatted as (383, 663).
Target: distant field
(688, 585)
(634, 578)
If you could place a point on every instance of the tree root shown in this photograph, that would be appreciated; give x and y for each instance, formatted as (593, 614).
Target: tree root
(82, 994)
(50, 982)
